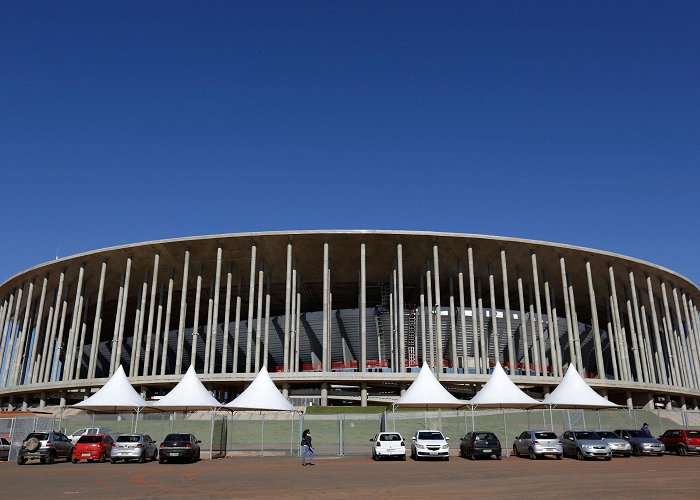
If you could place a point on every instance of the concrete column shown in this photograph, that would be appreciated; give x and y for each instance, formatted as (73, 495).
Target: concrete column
(506, 304)
(166, 327)
(688, 364)
(122, 318)
(574, 322)
(2, 329)
(431, 311)
(251, 306)
(83, 328)
(619, 331)
(324, 394)
(11, 340)
(551, 331)
(557, 337)
(657, 337)
(649, 406)
(72, 332)
(237, 326)
(324, 357)
(612, 342)
(151, 315)
(462, 323)
(258, 324)
(215, 315)
(195, 325)
(494, 320)
(138, 329)
(670, 340)
(59, 341)
(536, 360)
(567, 310)
(693, 344)
(227, 319)
(423, 329)
(523, 326)
(596, 332)
(42, 401)
(472, 304)
(156, 343)
(363, 312)
(183, 314)
(438, 325)
(643, 339)
(483, 334)
(297, 361)
(293, 328)
(207, 330)
(267, 323)
(453, 330)
(637, 372)
(391, 331)
(115, 334)
(630, 401)
(46, 371)
(538, 306)
(37, 336)
(400, 312)
(394, 323)
(363, 394)
(22, 343)
(287, 305)
(648, 348)
(4, 334)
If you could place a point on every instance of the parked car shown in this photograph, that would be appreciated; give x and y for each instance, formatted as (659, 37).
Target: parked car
(480, 444)
(388, 445)
(179, 446)
(641, 442)
(681, 441)
(130, 447)
(88, 430)
(93, 447)
(429, 444)
(47, 446)
(537, 444)
(618, 446)
(4, 448)
(585, 444)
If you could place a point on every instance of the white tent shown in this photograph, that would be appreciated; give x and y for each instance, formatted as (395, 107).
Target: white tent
(574, 392)
(500, 392)
(261, 394)
(427, 392)
(188, 395)
(115, 396)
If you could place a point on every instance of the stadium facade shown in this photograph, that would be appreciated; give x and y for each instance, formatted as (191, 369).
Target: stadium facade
(347, 317)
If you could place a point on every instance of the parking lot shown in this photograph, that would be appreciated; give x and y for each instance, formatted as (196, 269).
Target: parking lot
(358, 476)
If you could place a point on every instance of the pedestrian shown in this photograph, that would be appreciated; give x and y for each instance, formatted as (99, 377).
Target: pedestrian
(307, 448)
(646, 429)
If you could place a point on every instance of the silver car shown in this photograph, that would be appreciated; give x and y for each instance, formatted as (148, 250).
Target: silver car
(618, 446)
(536, 444)
(585, 444)
(130, 447)
(642, 443)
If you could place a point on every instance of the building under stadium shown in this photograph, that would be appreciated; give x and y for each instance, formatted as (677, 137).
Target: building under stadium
(348, 317)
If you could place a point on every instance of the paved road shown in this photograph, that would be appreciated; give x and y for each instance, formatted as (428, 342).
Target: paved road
(353, 477)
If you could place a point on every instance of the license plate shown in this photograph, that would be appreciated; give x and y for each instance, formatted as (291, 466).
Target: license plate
(433, 452)
(174, 454)
(86, 454)
(487, 451)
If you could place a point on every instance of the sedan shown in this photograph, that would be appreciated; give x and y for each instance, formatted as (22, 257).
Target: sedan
(388, 445)
(137, 447)
(92, 447)
(618, 446)
(179, 447)
(537, 444)
(585, 444)
(641, 442)
(4, 448)
(480, 444)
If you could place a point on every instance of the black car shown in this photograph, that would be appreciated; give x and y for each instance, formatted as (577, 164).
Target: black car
(179, 447)
(480, 444)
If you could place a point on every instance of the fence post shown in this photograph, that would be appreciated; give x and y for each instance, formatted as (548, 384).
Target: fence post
(340, 434)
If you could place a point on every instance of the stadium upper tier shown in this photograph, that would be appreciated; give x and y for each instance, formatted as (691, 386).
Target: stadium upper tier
(353, 312)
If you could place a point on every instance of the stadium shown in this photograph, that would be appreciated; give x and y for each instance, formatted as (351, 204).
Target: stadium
(347, 318)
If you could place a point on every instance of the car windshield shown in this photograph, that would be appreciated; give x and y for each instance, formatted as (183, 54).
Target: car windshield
(90, 439)
(430, 435)
(586, 435)
(607, 435)
(484, 435)
(545, 435)
(638, 434)
(129, 439)
(693, 434)
(177, 437)
(390, 437)
(41, 436)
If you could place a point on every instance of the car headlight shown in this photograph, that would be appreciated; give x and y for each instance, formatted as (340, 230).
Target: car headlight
(445, 446)
(420, 446)
(646, 445)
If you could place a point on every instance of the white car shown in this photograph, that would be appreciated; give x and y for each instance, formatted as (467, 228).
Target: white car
(430, 444)
(388, 445)
(87, 430)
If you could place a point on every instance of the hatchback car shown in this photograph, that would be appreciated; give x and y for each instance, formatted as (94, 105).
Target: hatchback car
(47, 446)
(93, 447)
(429, 444)
(641, 442)
(139, 447)
(618, 446)
(179, 447)
(4, 448)
(537, 444)
(585, 444)
(681, 441)
(388, 445)
(480, 444)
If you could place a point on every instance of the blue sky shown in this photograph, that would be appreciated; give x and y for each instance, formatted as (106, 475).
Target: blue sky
(574, 122)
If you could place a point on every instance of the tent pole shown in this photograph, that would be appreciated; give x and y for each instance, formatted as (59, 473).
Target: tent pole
(551, 418)
(136, 420)
(393, 417)
(599, 424)
(472, 418)
(211, 436)
(528, 418)
(505, 430)
(583, 416)
(262, 435)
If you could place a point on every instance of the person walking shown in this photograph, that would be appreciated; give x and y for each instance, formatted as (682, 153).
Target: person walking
(307, 447)
(645, 428)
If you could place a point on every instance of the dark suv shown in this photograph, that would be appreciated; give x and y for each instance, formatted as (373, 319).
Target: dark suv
(179, 447)
(681, 441)
(480, 444)
(47, 446)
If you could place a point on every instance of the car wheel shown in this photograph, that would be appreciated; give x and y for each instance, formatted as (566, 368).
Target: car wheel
(113, 460)
(560, 456)
(403, 457)
(447, 459)
(142, 458)
(579, 455)
(636, 451)
(471, 455)
(498, 456)
(69, 457)
(102, 458)
(532, 454)
(161, 460)
(75, 460)
(21, 461)
(50, 458)
(374, 456)
(682, 450)
(660, 455)
(515, 451)
(607, 459)
(155, 456)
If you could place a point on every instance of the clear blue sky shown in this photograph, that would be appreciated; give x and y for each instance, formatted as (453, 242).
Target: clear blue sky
(574, 122)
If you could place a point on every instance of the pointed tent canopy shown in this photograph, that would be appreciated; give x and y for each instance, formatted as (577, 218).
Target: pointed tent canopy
(500, 392)
(574, 392)
(188, 394)
(261, 394)
(115, 396)
(427, 392)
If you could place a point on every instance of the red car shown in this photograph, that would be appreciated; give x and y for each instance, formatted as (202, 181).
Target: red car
(93, 447)
(681, 441)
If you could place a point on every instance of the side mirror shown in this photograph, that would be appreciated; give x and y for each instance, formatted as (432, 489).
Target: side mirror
(371, 440)
(198, 441)
(447, 439)
(413, 438)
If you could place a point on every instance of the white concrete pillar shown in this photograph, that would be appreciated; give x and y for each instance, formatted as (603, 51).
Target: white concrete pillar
(400, 311)
(551, 330)
(22, 343)
(195, 324)
(55, 376)
(567, 311)
(215, 315)
(138, 329)
(423, 328)
(166, 327)
(363, 394)
(431, 325)
(453, 330)
(183, 314)
(258, 324)
(293, 333)
(38, 337)
(523, 327)
(472, 305)
(506, 305)
(151, 316)
(494, 319)
(657, 336)
(438, 324)
(324, 356)
(287, 311)
(600, 366)
(251, 306)
(51, 322)
(14, 328)
(538, 308)
(227, 319)
(122, 318)
(363, 312)
(642, 337)
(670, 339)
(462, 322)
(237, 326)
(72, 332)
(266, 351)
(156, 343)
(688, 363)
